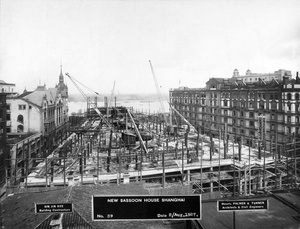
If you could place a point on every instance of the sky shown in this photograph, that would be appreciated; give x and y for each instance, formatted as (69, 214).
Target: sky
(99, 42)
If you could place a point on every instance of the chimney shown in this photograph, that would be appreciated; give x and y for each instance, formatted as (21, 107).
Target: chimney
(284, 79)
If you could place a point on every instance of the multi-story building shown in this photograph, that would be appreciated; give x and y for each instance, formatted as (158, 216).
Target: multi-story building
(256, 77)
(235, 104)
(37, 123)
(3, 149)
(6, 90)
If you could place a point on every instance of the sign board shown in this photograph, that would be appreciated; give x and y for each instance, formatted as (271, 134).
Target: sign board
(54, 208)
(146, 207)
(242, 205)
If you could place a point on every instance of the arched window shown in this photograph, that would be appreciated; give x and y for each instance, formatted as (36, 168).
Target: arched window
(20, 119)
(289, 96)
(273, 105)
(20, 128)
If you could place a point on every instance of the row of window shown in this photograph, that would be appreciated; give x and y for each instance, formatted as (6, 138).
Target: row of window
(271, 96)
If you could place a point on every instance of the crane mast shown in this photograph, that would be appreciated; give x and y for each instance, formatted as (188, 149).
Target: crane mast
(159, 94)
(87, 99)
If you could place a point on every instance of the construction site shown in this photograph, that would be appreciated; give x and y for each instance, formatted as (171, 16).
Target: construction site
(125, 147)
(110, 144)
(116, 150)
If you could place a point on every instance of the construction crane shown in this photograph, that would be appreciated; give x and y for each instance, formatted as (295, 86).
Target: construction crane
(74, 81)
(137, 132)
(159, 96)
(192, 128)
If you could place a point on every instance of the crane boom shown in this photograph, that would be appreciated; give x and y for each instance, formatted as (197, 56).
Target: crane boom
(137, 131)
(183, 118)
(159, 94)
(86, 98)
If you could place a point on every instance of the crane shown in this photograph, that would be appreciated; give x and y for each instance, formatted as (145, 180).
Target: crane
(159, 95)
(137, 132)
(87, 99)
(183, 118)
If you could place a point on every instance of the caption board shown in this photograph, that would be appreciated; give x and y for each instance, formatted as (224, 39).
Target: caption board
(146, 207)
(54, 208)
(240, 205)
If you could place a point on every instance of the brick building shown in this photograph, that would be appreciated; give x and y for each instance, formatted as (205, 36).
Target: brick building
(234, 105)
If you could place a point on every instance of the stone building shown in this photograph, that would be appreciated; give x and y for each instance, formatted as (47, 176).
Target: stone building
(6, 90)
(237, 105)
(38, 123)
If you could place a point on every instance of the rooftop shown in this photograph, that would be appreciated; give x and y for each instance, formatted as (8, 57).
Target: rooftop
(19, 210)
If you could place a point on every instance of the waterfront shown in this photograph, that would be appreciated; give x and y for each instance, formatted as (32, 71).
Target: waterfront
(138, 105)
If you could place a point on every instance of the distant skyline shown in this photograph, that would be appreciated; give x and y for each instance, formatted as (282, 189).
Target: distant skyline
(102, 41)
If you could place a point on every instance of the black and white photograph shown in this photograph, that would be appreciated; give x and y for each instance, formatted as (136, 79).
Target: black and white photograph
(159, 114)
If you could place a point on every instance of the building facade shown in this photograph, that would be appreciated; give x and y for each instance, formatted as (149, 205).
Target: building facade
(37, 124)
(8, 88)
(239, 106)
(3, 149)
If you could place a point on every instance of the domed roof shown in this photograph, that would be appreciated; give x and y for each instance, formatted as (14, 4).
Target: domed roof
(248, 72)
(235, 72)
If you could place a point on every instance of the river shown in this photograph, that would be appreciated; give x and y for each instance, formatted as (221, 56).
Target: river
(138, 105)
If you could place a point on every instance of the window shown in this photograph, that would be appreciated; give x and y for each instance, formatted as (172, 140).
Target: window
(261, 105)
(273, 117)
(251, 123)
(235, 103)
(225, 120)
(22, 107)
(273, 105)
(225, 103)
(289, 96)
(297, 96)
(243, 104)
(20, 128)
(272, 127)
(251, 105)
(20, 118)
(242, 113)
(251, 114)
(297, 119)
